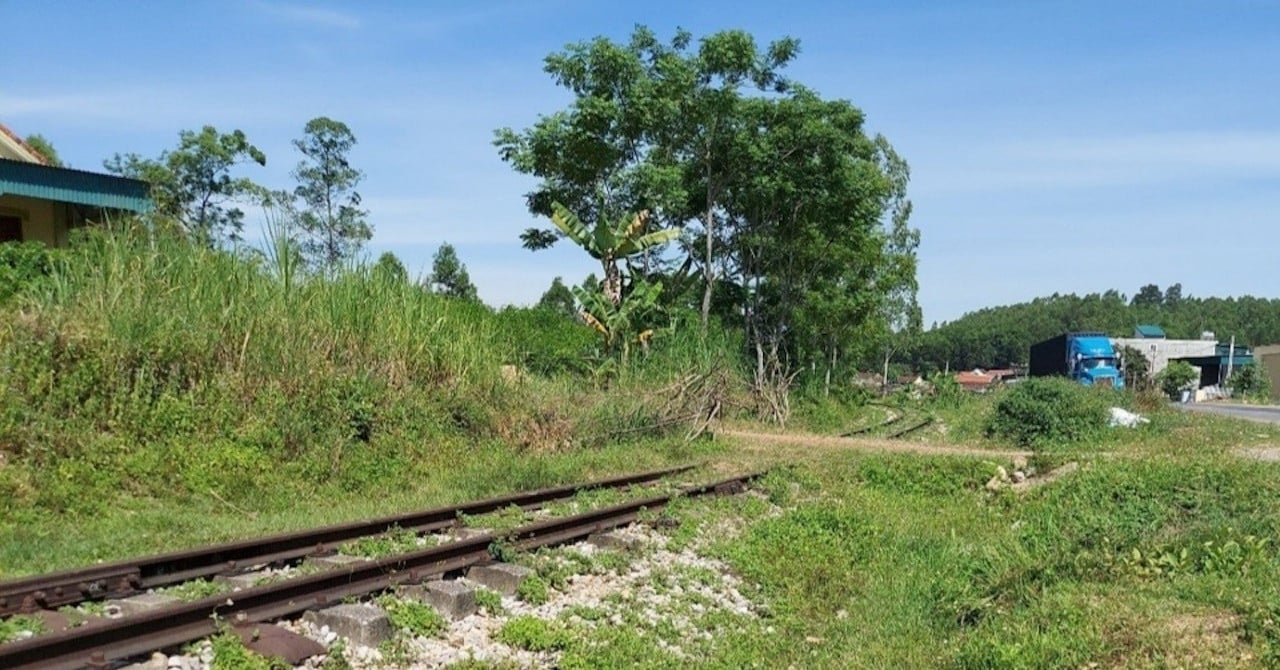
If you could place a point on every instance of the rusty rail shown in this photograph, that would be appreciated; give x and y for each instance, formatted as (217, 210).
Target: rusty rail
(123, 578)
(100, 644)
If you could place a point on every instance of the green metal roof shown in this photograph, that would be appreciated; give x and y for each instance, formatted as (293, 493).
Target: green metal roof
(1151, 331)
(76, 186)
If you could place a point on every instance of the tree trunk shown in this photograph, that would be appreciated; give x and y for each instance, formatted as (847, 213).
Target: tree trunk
(612, 286)
(708, 273)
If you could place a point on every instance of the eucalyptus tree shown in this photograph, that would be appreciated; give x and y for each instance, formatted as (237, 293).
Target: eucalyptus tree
(330, 219)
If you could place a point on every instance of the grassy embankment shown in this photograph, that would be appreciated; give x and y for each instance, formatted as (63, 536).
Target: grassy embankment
(193, 396)
(156, 395)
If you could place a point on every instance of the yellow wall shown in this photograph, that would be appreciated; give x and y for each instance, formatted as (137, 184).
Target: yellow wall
(1269, 358)
(42, 220)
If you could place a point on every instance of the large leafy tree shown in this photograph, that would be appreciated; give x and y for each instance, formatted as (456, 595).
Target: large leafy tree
(648, 128)
(194, 185)
(449, 276)
(330, 218)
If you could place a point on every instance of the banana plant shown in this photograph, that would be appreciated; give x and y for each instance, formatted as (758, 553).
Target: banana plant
(611, 242)
(620, 325)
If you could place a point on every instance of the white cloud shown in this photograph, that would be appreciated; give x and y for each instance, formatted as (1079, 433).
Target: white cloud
(304, 14)
(1090, 162)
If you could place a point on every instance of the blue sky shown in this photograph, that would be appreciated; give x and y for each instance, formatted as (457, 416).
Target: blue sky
(1055, 146)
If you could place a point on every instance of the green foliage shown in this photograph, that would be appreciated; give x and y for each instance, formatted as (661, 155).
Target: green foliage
(998, 337)
(23, 265)
(395, 541)
(1251, 381)
(331, 220)
(1041, 411)
(45, 148)
(449, 276)
(12, 626)
(544, 342)
(1137, 369)
(335, 657)
(229, 653)
(533, 590)
(559, 299)
(1176, 377)
(533, 634)
(412, 617)
(490, 601)
(196, 589)
(193, 184)
(390, 268)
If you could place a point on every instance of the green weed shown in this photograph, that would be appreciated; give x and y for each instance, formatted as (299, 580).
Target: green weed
(533, 634)
(412, 617)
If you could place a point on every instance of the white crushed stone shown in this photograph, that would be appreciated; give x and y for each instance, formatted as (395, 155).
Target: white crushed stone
(679, 602)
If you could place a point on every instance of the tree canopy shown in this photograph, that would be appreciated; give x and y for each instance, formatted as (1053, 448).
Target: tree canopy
(795, 218)
(998, 337)
(193, 184)
(330, 219)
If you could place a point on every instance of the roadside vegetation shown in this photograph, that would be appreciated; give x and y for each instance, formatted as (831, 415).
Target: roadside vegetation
(164, 385)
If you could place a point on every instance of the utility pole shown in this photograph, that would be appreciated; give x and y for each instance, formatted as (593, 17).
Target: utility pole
(1231, 359)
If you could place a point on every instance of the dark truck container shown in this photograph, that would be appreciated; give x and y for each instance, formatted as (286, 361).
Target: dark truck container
(1085, 357)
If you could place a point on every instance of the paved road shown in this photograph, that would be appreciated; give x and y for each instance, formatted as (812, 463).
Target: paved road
(1259, 413)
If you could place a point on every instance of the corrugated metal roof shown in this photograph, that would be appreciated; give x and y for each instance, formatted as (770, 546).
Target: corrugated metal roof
(1150, 331)
(75, 186)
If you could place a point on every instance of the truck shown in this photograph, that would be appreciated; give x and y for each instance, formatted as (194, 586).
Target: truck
(1085, 357)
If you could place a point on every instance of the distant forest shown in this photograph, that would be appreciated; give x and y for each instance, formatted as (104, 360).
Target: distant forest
(998, 337)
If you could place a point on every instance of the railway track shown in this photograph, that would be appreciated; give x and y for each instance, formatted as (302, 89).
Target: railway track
(103, 643)
(124, 578)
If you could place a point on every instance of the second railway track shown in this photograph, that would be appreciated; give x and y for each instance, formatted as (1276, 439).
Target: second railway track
(105, 643)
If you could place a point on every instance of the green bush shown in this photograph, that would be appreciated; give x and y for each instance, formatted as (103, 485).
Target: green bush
(23, 264)
(1250, 381)
(533, 634)
(543, 341)
(1046, 410)
(1178, 376)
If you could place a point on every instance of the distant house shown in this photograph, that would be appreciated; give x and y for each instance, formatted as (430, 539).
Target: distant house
(42, 203)
(980, 381)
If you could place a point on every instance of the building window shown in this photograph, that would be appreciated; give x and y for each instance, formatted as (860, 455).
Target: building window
(10, 229)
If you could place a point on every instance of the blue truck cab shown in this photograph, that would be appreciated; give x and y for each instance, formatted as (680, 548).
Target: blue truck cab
(1087, 358)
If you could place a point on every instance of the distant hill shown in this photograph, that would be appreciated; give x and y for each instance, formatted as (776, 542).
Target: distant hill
(1000, 336)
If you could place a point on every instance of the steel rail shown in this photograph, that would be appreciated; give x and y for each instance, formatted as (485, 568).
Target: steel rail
(123, 578)
(927, 421)
(99, 644)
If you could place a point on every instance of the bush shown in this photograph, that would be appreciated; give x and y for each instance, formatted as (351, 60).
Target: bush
(1049, 410)
(23, 264)
(1250, 381)
(1179, 375)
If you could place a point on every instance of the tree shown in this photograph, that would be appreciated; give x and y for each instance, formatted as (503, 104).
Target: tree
(449, 276)
(193, 184)
(1178, 376)
(331, 219)
(390, 268)
(647, 130)
(45, 148)
(559, 298)
(1149, 296)
(610, 242)
(1137, 369)
(1173, 295)
(1250, 381)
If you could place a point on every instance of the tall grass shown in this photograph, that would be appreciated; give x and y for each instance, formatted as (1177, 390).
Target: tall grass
(145, 366)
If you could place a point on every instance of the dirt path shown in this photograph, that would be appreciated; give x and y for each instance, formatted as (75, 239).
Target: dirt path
(757, 441)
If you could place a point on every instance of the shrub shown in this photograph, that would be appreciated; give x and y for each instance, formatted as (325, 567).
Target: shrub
(533, 634)
(22, 264)
(1177, 376)
(1250, 381)
(1047, 410)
